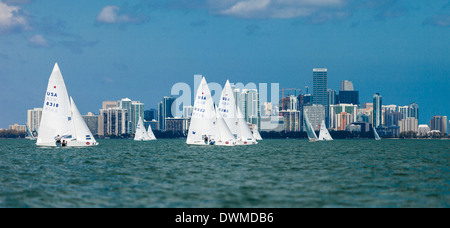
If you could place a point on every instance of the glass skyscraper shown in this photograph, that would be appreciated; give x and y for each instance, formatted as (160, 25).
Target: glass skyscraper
(320, 84)
(377, 106)
(320, 87)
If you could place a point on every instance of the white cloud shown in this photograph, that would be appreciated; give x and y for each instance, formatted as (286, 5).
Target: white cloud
(273, 8)
(11, 18)
(38, 41)
(112, 15)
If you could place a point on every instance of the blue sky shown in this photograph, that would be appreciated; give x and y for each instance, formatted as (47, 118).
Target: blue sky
(112, 49)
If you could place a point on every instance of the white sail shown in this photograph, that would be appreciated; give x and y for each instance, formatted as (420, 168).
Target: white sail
(324, 135)
(203, 129)
(30, 134)
(227, 108)
(256, 134)
(309, 129)
(141, 134)
(150, 133)
(59, 118)
(56, 115)
(245, 133)
(83, 135)
(225, 137)
(377, 137)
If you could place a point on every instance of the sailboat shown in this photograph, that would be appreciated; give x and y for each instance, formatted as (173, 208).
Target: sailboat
(256, 134)
(310, 129)
(205, 128)
(150, 133)
(324, 135)
(141, 134)
(30, 134)
(233, 117)
(61, 119)
(377, 137)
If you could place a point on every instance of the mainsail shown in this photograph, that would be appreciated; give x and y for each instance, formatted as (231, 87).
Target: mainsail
(203, 128)
(246, 134)
(150, 133)
(324, 135)
(377, 137)
(309, 128)
(256, 134)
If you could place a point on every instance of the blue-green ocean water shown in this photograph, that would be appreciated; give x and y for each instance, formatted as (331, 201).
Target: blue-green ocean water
(274, 173)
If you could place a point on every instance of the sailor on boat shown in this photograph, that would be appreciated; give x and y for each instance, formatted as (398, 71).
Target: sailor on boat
(58, 139)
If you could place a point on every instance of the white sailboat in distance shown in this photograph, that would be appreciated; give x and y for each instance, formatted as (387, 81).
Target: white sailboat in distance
(324, 135)
(61, 122)
(256, 134)
(377, 137)
(309, 129)
(141, 134)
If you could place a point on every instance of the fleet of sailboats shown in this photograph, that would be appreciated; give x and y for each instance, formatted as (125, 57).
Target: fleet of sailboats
(223, 125)
(61, 122)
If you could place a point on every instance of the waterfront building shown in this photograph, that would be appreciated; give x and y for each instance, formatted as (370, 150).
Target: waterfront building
(177, 125)
(413, 110)
(165, 111)
(346, 85)
(439, 123)
(408, 124)
(423, 130)
(113, 121)
(19, 128)
(341, 115)
(316, 114)
(34, 119)
(377, 110)
(91, 121)
(150, 115)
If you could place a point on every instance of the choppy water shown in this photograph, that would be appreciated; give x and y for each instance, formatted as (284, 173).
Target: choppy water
(274, 173)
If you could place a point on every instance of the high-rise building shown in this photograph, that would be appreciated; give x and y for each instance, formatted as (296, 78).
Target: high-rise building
(439, 123)
(409, 124)
(292, 120)
(248, 102)
(34, 119)
(137, 110)
(17, 127)
(348, 97)
(109, 104)
(125, 103)
(341, 115)
(113, 121)
(320, 86)
(92, 122)
(377, 110)
(165, 111)
(346, 85)
(403, 110)
(413, 110)
(316, 114)
(150, 114)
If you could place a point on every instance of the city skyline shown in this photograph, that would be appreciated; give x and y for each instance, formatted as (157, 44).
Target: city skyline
(111, 50)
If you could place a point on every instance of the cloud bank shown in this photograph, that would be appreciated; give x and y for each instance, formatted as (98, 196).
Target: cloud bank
(12, 18)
